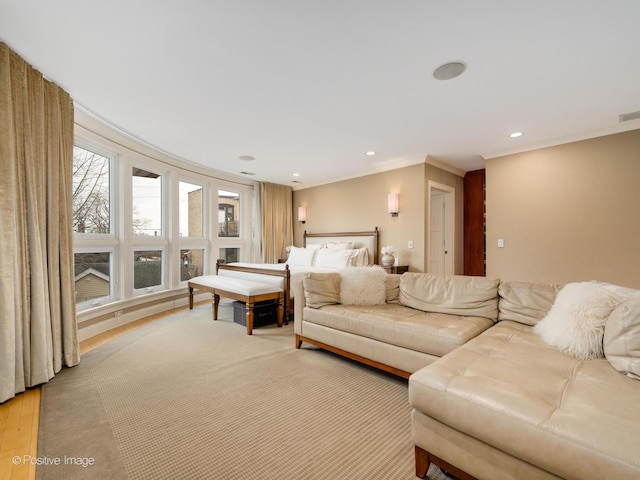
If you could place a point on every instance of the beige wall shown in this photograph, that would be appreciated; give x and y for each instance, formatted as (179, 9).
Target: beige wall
(361, 204)
(567, 213)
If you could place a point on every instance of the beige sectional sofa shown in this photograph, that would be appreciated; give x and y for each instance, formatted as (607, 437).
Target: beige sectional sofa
(492, 399)
(388, 332)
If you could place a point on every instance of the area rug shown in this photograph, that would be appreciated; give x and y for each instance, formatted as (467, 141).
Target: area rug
(186, 397)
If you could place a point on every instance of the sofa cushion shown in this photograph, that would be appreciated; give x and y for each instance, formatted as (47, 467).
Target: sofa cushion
(393, 287)
(363, 285)
(622, 338)
(455, 294)
(525, 302)
(509, 389)
(321, 288)
(426, 332)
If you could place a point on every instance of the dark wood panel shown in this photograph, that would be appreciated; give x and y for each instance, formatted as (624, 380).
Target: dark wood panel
(474, 223)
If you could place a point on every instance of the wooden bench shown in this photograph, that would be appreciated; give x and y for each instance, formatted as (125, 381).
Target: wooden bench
(247, 291)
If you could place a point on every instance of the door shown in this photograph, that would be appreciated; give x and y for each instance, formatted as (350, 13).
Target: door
(437, 234)
(441, 233)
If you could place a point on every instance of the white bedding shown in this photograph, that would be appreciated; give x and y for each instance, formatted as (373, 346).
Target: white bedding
(297, 272)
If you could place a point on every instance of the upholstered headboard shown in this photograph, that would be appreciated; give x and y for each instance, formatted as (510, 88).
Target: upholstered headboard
(368, 240)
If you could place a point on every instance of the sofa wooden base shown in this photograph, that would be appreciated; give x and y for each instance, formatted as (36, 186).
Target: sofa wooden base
(424, 459)
(352, 356)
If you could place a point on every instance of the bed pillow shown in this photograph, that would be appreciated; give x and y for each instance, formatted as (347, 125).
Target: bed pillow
(363, 286)
(359, 257)
(621, 341)
(575, 323)
(321, 288)
(315, 246)
(328, 258)
(301, 256)
(339, 245)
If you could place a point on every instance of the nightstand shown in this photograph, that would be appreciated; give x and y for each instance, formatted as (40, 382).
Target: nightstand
(399, 269)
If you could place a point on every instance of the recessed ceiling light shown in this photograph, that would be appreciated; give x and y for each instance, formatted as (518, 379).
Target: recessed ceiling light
(370, 153)
(296, 174)
(449, 71)
(246, 158)
(516, 134)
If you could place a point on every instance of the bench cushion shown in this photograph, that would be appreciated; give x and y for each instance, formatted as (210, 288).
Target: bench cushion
(238, 286)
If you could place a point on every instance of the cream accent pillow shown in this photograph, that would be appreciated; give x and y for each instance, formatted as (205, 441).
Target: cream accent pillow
(301, 256)
(321, 289)
(363, 286)
(575, 323)
(622, 338)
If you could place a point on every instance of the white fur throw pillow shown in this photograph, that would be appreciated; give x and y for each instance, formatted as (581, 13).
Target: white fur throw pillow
(575, 323)
(363, 286)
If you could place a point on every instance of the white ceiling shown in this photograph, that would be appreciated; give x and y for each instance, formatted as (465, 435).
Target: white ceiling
(309, 86)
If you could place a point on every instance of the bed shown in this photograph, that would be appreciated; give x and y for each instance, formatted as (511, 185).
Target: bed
(320, 252)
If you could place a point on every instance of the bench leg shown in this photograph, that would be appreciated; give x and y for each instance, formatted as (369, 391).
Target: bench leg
(249, 317)
(280, 310)
(216, 301)
(190, 298)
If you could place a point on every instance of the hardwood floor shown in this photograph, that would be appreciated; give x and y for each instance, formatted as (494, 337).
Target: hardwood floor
(19, 417)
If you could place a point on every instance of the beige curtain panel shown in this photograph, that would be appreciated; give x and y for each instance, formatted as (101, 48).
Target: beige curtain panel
(277, 221)
(38, 331)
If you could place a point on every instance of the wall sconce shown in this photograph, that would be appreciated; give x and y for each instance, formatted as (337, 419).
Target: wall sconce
(302, 214)
(392, 204)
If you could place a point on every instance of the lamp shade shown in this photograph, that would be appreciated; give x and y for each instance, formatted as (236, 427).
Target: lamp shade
(302, 214)
(392, 204)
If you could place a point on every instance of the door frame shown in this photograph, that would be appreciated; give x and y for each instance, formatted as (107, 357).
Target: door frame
(450, 221)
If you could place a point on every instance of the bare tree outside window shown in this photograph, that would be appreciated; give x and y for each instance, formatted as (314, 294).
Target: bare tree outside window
(91, 208)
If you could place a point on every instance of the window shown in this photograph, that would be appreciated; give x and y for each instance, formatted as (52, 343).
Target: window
(191, 210)
(228, 214)
(191, 263)
(92, 276)
(91, 196)
(146, 203)
(94, 242)
(228, 255)
(144, 226)
(147, 269)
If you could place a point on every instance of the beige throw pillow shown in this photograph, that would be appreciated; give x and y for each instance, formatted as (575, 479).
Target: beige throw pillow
(321, 289)
(363, 286)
